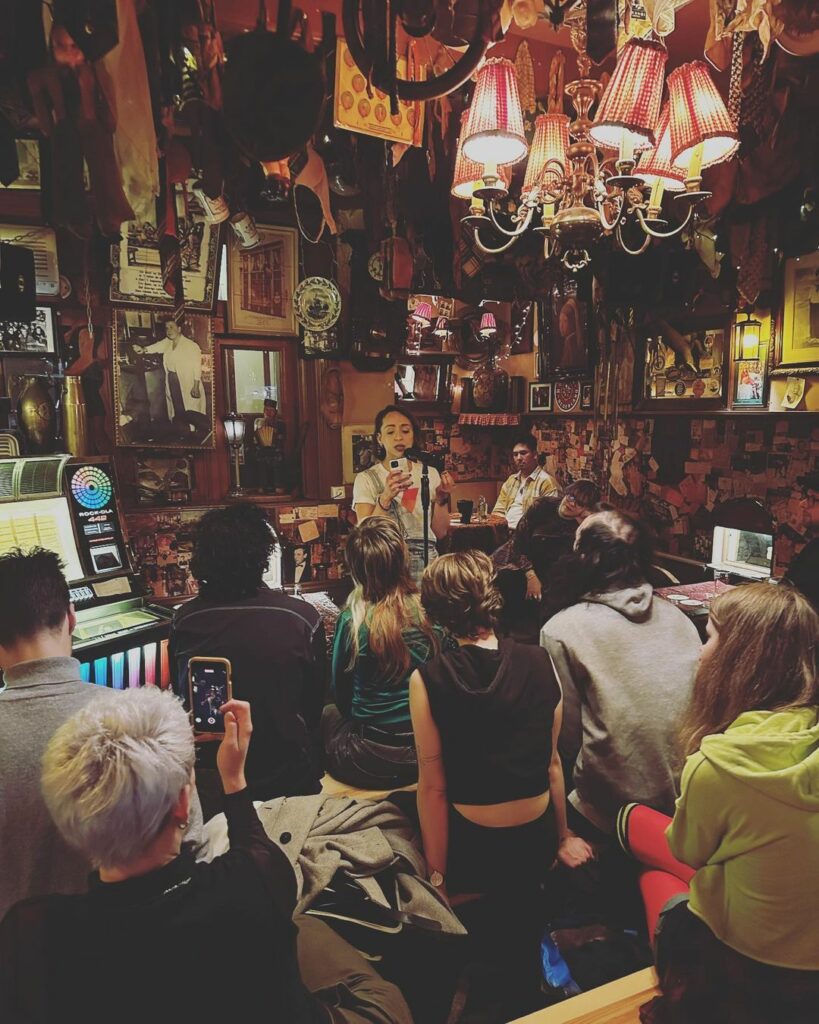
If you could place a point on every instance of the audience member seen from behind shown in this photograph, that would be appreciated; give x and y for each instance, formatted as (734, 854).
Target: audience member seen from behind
(275, 643)
(745, 944)
(396, 493)
(486, 717)
(382, 636)
(42, 689)
(626, 662)
(117, 778)
(524, 564)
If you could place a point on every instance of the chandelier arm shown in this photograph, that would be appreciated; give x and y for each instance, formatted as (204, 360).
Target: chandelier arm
(610, 225)
(664, 234)
(625, 248)
(486, 250)
(522, 224)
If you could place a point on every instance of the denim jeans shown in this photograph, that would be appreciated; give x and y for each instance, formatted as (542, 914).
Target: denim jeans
(416, 556)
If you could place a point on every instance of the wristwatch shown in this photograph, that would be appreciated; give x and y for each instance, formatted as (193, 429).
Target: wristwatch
(436, 879)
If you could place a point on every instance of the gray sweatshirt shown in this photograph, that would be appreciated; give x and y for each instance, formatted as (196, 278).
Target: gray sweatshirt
(626, 663)
(34, 859)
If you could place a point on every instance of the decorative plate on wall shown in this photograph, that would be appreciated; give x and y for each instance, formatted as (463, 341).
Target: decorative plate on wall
(567, 395)
(317, 303)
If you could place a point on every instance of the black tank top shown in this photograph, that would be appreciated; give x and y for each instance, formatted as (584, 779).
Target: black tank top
(494, 710)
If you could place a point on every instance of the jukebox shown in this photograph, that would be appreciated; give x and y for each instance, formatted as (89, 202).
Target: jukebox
(71, 506)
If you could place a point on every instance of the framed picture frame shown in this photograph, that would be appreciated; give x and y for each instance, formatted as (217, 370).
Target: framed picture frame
(163, 479)
(28, 160)
(34, 338)
(261, 283)
(357, 450)
(163, 380)
(798, 320)
(565, 328)
(683, 363)
(540, 396)
(137, 272)
(587, 396)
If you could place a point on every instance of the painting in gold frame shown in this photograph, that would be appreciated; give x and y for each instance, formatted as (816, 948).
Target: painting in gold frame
(261, 283)
(799, 316)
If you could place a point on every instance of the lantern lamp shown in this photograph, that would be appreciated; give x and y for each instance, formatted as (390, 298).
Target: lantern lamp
(747, 344)
(235, 436)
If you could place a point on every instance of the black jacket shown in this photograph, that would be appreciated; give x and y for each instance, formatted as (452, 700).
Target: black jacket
(278, 652)
(187, 942)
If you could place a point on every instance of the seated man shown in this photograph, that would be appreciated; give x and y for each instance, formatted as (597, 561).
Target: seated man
(275, 644)
(529, 481)
(626, 663)
(523, 565)
(43, 689)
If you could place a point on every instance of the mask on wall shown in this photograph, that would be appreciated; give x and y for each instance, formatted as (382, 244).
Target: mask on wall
(332, 398)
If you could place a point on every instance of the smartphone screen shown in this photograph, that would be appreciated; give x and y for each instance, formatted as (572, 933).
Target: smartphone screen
(210, 689)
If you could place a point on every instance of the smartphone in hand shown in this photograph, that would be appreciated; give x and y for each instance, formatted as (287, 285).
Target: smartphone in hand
(209, 680)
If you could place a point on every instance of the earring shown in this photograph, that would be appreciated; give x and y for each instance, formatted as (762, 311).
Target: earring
(183, 825)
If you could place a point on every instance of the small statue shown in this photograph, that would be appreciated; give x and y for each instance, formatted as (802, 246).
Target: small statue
(269, 435)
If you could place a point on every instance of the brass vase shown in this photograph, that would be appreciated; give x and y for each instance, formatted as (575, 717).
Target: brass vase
(75, 418)
(37, 417)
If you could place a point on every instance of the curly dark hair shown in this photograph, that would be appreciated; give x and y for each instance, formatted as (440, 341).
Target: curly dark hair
(381, 415)
(232, 551)
(458, 592)
(33, 594)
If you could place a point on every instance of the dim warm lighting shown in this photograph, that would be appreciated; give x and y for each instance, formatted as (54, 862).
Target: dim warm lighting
(488, 325)
(235, 435)
(494, 133)
(702, 133)
(422, 314)
(441, 327)
(630, 107)
(547, 159)
(748, 332)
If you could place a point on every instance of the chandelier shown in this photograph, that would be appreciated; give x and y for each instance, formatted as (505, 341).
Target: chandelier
(588, 178)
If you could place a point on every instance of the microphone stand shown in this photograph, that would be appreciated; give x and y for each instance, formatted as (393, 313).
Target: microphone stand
(425, 509)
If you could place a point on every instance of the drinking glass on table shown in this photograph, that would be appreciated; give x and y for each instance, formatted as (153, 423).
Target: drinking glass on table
(720, 576)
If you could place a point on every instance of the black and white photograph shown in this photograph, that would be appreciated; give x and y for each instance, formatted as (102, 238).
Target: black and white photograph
(540, 397)
(163, 380)
(29, 338)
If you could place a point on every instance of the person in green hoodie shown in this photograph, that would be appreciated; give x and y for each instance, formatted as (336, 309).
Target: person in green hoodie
(743, 944)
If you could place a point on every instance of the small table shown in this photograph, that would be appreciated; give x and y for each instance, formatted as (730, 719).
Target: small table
(694, 599)
(477, 536)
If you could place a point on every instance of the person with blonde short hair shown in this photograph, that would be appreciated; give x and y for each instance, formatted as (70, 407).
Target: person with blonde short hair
(159, 936)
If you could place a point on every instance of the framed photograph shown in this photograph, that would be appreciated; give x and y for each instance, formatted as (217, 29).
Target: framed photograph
(564, 321)
(750, 382)
(417, 382)
(163, 380)
(540, 397)
(799, 317)
(684, 363)
(586, 396)
(137, 276)
(357, 450)
(164, 480)
(28, 160)
(261, 283)
(36, 337)
(297, 565)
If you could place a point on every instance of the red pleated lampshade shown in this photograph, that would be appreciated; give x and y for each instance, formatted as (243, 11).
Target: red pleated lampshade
(656, 163)
(468, 173)
(494, 128)
(550, 143)
(632, 99)
(698, 114)
(488, 325)
(422, 314)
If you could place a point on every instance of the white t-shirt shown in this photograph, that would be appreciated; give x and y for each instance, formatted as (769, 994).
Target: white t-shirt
(370, 483)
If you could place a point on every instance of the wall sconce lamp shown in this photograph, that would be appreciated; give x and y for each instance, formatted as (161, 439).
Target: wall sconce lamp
(235, 437)
(488, 328)
(422, 314)
(441, 328)
(747, 343)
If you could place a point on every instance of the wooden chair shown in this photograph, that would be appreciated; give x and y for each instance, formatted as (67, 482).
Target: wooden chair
(618, 1002)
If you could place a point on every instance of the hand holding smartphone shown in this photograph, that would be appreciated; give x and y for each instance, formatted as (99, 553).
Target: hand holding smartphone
(209, 680)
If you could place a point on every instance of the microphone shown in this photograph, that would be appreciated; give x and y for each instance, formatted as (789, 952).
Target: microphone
(434, 459)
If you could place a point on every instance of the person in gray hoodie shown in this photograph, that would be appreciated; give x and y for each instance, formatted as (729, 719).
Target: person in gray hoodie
(626, 663)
